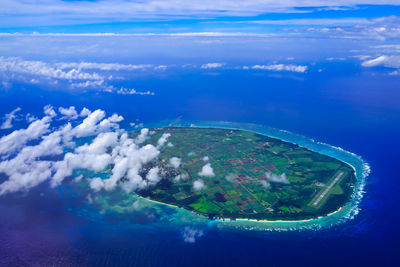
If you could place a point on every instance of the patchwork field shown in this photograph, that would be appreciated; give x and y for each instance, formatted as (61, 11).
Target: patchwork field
(223, 173)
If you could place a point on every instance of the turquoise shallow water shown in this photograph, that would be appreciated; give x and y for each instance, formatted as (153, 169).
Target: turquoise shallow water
(182, 217)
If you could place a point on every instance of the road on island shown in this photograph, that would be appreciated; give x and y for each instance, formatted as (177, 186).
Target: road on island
(327, 189)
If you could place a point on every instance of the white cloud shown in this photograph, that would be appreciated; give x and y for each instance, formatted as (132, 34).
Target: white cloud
(272, 177)
(231, 177)
(265, 184)
(206, 171)
(103, 66)
(17, 181)
(26, 169)
(212, 65)
(89, 125)
(386, 61)
(205, 158)
(116, 118)
(311, 21)
(84, 112)
(69, 113)
(43, 69)
(380, 28)
(153, 175)
(119, 170)
(49, 111)
(30, 118)
(163, 139)
(28, 165)
(7, 124)
(281, 67)
(181, 177)
(72, 74)
(175, 162)
(39, 13)
(161, 67)
(175, 34)
(143, 136)
(198, 185)
(190, 235)
(96, 184)
(17, 139)
(126, 91)
(88, 84)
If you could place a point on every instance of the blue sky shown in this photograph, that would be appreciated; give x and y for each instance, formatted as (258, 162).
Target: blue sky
(253, 16)
(51, 42)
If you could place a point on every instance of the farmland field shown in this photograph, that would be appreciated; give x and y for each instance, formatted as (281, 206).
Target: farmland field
(224, 173)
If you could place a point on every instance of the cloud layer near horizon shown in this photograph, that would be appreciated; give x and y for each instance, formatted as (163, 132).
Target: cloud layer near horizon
(34, 72)
(47, 12)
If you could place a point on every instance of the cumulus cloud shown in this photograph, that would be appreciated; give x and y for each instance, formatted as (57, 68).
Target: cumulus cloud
(30, 118)
(281, 67)
(206, 171)
(7, 124)
(211, 65)
(23, 165)
(49, 111)
(272, 177)
(28, 164)
(69, 113)
(84, 112)
(180, 177)
(153, 176)
(198, 185)
(89, 125)
(265, 184)
(163, 139)
(17, 139)
(96, 184)
(93, 156)
(190, 235)
(143, 136)
(175, 162)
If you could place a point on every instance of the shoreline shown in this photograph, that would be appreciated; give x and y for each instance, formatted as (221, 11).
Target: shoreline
(279, 221)
(230, 220)
(240, 219)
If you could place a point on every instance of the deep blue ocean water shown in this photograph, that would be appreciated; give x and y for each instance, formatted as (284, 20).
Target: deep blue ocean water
(343, 107)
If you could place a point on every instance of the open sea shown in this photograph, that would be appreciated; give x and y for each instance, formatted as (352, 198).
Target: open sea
(343, 106)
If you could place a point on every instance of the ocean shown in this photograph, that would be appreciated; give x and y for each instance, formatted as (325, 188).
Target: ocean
(343, 106)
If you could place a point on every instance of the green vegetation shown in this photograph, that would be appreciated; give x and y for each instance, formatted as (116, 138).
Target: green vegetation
(255, 176)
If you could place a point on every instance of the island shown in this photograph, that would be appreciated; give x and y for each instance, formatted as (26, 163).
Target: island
(231, 174)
